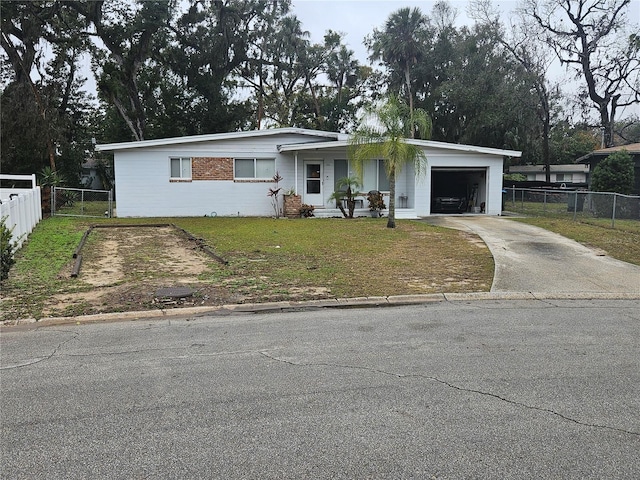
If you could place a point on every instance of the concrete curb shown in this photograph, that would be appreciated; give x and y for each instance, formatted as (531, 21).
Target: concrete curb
(337, 303)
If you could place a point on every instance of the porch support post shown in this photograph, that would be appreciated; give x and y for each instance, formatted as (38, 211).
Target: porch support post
(295, 172)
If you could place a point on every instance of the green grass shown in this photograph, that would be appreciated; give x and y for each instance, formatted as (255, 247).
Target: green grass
(49, 247)
(559, 211)
(272, 259)
(35, 275)
(356, 257)
(89, 209)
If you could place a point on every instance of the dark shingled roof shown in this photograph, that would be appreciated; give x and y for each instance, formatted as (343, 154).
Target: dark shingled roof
(633, 149)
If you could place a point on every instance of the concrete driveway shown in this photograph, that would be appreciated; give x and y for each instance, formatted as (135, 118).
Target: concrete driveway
(532, 259)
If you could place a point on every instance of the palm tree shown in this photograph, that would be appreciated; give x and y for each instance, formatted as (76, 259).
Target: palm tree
(347, 191)
(383, 134)
(401, 44)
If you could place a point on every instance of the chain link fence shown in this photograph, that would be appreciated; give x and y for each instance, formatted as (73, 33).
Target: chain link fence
(579, 205)
(80, 202)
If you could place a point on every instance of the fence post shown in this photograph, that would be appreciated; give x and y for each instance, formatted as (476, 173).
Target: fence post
(613, 213)
(52, 199)
(575, 206)
(544, 208)
(82, 202)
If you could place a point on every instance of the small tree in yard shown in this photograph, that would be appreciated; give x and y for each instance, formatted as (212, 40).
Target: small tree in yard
(614, 174)
(347, 191)
(274, 193)
(382, 134)
(7, 249)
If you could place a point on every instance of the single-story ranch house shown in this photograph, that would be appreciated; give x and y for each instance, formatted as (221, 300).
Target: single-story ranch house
(560, 174)
(229, 174)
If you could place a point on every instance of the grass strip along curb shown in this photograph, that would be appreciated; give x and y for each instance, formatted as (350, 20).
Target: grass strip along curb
(200, 243)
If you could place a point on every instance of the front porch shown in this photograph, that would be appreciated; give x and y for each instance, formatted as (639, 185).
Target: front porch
(401, 213)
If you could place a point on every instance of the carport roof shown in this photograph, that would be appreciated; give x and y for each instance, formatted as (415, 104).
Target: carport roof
(295, 147)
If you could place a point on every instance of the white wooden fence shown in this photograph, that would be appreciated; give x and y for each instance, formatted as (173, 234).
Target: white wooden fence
(21, 207)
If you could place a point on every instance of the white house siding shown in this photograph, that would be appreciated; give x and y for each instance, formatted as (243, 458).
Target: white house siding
(143, 188)
(405, 186)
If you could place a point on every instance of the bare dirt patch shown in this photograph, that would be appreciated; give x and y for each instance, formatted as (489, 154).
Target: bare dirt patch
(106, 267)
(123, 253)
(123, 268)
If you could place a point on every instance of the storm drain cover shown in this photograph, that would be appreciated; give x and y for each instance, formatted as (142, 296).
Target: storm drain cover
(174, 292)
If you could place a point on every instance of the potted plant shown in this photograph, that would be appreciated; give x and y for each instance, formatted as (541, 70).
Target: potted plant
(306, 210)
(376, 203)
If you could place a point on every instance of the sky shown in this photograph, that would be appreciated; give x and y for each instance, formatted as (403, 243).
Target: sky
(358, 18)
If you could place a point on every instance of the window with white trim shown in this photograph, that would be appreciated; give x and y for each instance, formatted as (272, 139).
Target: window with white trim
(180, 168)
(375, 176)
(254, 168)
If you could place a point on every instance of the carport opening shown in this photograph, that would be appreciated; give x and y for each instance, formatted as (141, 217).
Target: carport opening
(458, 190)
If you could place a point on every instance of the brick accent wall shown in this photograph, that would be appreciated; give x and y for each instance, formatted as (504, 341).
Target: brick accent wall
(292, 204)
(211, 168)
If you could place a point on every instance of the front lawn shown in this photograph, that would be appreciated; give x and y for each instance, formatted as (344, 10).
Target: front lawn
(268, 260)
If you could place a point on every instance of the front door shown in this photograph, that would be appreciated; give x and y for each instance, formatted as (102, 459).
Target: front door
(313, 182)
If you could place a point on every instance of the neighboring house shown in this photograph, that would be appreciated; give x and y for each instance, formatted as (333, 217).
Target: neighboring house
(229, 174)
(90, 178)
(592, 159)
(560, 174)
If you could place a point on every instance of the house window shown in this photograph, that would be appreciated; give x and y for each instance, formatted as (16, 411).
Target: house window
(180, 168)
(259, 168)
(340, 170)
(383, 178)
(564, 177)
(375, 176)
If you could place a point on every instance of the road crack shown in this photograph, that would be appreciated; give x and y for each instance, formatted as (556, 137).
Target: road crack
(186, 348)
(453, 386)
(73, 336)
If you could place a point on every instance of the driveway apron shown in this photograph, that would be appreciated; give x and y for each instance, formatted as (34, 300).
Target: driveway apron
(532, 259)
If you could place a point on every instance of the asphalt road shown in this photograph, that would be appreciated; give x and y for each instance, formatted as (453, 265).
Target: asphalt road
(482, 389)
